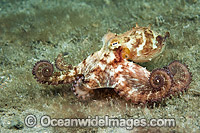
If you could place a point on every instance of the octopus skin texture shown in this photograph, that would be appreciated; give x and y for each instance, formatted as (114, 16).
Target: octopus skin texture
(113, 67)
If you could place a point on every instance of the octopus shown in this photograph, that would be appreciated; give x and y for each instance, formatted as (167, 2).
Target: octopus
(115, 66)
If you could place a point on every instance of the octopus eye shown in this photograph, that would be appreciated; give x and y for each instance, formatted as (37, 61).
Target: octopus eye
(114, 44)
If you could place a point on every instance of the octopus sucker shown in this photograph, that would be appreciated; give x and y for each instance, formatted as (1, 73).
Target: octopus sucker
(160, 79)
(155, 87)
(181, 75)
(42, 71)
(113, 67)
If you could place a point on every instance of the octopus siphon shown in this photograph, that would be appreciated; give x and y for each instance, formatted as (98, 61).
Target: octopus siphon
(114, 66)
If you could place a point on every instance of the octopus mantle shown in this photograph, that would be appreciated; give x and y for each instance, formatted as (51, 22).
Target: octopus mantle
(112, 67)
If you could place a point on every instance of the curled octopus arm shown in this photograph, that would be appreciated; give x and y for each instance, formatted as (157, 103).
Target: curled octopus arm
(141, 86)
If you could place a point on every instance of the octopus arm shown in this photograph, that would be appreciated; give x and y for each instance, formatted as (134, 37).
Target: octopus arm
(80, 87)
(140, 86)
(43, 71)
(181, 75)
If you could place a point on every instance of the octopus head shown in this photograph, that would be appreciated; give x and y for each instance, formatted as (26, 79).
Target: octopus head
(114, 44)
(141, 44)
(111, 41)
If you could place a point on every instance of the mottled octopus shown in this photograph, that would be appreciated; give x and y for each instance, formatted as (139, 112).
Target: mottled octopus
(113, 67)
